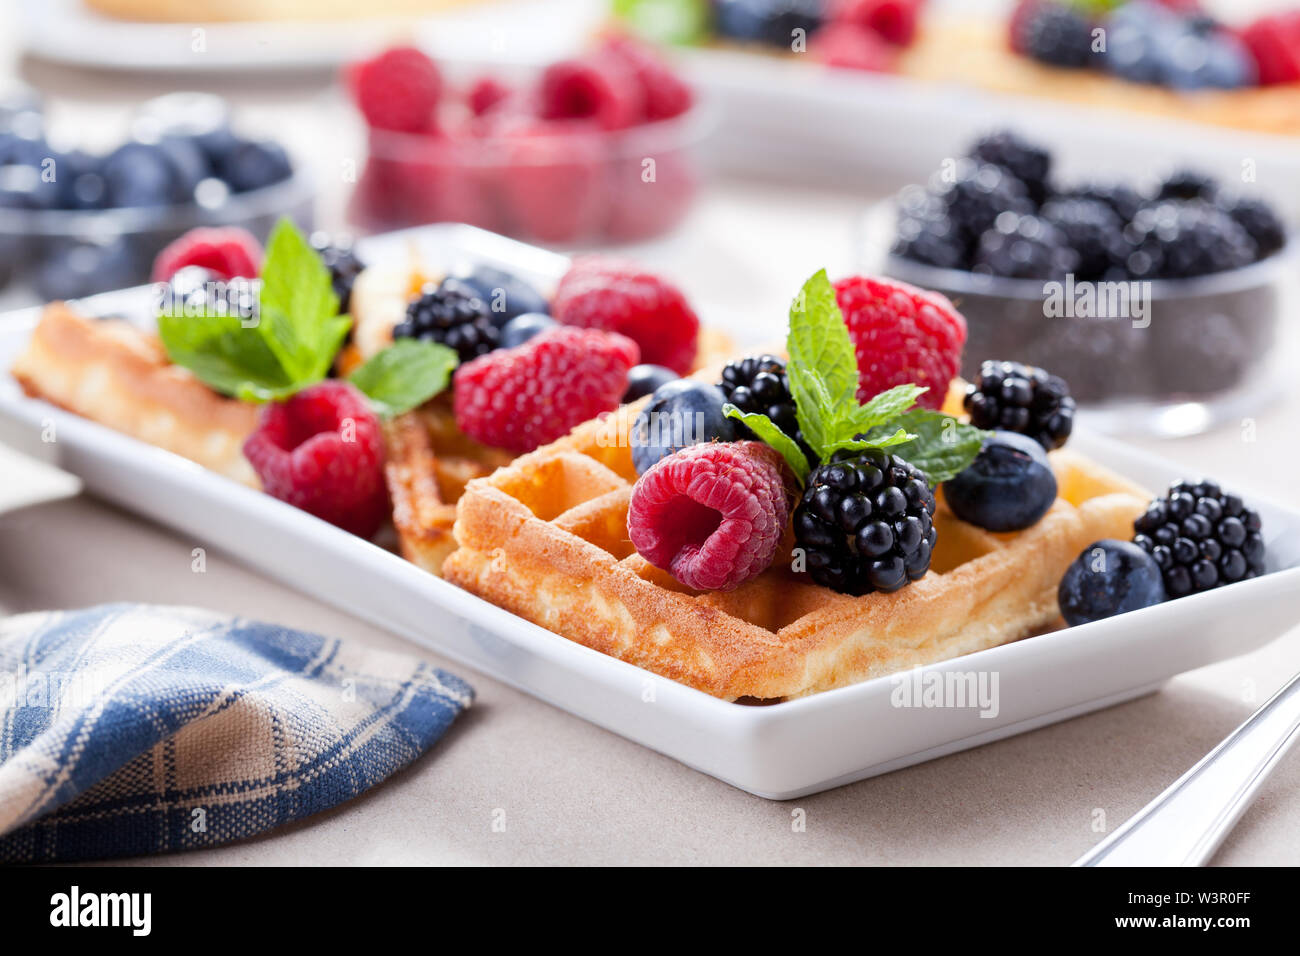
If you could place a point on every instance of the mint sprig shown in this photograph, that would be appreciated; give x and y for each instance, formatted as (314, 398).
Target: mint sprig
(406, 374)
(291, 346)
(823, 374)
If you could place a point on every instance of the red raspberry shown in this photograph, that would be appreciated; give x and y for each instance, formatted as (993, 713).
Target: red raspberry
(893, 20)
(618, 296)
(398, 89)
(664, 94)
(711, 515)
(524, 397)
(552, 180)
(603, 89)
(486, 93)
(850, 46)
(1274, 42)
(322, 451)
(901, 334)
(227, 251)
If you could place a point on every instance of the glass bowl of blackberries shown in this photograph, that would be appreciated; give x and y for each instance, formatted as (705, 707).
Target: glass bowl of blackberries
(75, 222)
(1159, 301)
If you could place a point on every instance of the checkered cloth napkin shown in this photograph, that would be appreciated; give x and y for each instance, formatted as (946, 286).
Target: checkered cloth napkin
(128, 729)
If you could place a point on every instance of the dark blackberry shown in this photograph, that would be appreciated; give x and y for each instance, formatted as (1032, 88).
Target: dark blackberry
(194, 290)
(1021, 398)
(1260, 222)
(1201, 538)
(865, 522)
(1055, 34)
(1024, 247)
(974, 194)
(1123, 199)
(1178, 240)
(454, 316)
(759, 384)
(1028, 163)
(342, 262)
(1188, 184)
(1094, 231)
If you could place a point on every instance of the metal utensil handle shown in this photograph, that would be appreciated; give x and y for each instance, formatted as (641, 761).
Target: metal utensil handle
(1185, 824)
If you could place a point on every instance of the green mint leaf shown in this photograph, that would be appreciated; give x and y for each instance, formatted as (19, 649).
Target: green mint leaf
(822, 367)
(768, 431)
(881, 440)
(225, 355)
(299, 311)
(942, 445)
(406, 374)
(884, 408)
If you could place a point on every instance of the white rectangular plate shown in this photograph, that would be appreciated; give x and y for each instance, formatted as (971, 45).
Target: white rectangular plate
(778, 751)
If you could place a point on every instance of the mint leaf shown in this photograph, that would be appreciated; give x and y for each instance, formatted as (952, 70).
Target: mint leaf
(769, 432)
(406, 374)
(822, 367)
(942, 446)
(881, 410)
(299, 310)
(880, 440)
(224, 355)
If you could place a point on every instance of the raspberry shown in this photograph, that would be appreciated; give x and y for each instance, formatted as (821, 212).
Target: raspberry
(642, 208)
(850, 46)
(1274, 43)
(322, 451)
(398, 90)
(663, 93)
(226, 252)
(603, 89)
(611, 294)
(520, 398)
(901, 334)
(485, 94)
(711, 515)
(893, 20)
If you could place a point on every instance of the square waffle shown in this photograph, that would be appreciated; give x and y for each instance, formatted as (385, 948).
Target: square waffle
(546, 538)
(429, 460)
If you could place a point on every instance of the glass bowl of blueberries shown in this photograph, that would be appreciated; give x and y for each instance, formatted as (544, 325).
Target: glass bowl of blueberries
(73, 223)
(1159, 303)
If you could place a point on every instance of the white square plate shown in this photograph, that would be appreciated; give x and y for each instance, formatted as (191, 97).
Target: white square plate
(778, 751)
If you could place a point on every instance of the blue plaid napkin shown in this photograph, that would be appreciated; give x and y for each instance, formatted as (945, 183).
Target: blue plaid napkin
(128, 729)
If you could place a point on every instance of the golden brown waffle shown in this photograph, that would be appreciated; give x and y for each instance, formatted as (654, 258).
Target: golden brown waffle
(546, 538)
(429, 460)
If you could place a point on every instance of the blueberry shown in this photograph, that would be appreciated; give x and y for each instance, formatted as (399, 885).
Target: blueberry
(681, 413)
(1008, 486)
(138, 174)
(523, 327)
(741, 19)
(72, 269)
(644, 379)
(254, 164)
(189, 164)
(1108, 578)
(507, 295)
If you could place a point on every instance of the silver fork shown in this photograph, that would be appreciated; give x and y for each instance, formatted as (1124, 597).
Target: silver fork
(1185, 824)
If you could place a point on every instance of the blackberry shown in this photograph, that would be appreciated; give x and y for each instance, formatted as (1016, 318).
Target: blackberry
(925, 233)
(1021, 398)
(1094, 231)
(454, 316)
(865, 522)
(975, 194)
(1023, 247)
(1123, 199)
(1177, 240)
(1055, 34)
(194, 290)
(759, 384)
(1260, 222)
(1028, 163)
(342, 262)
(1201, 538)
(1188, 184)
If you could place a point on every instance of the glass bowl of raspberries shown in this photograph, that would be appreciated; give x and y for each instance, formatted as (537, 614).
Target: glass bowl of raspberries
(74, 222)
(1160, 303)
(597, 148)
